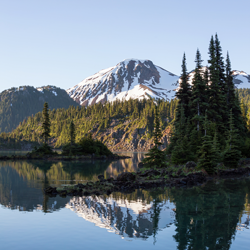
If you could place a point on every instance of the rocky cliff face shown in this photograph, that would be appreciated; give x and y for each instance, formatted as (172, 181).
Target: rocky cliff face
(128, 137)
(130, 78)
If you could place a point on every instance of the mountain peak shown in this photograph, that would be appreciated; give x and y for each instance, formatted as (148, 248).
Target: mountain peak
(130, 78)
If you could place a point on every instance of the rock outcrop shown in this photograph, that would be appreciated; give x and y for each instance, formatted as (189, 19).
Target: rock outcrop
(128, 137)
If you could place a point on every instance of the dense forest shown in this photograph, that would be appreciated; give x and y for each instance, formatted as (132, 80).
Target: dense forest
(210, 125)
(93, 119)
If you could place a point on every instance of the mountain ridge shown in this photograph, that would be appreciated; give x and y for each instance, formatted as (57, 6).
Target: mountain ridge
(136, 79)
(131, 78)
(17, 104)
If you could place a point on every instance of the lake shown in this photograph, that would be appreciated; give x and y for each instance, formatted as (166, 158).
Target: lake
(213, 216)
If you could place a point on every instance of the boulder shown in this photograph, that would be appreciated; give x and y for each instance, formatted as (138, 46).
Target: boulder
(126, 176)
(110, 179)
(50, 190)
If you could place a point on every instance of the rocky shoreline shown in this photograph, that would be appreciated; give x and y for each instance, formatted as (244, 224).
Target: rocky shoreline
(145, 179)
(63, 158)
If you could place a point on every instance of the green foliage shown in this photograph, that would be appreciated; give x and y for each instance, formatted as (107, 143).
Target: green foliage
(208, 155)
(232, 153)
(90, 119)
(199, 95)
(86, 146)
(72, 132)
(155, 156)
(46, 123)
(45, 149)
(182, 152)
(212, 96)
(245, 149)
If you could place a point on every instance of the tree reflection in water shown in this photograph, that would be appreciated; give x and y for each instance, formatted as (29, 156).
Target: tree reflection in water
(205, 217)
(22, 182)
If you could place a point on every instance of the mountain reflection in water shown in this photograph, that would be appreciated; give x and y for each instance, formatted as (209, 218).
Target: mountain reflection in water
(122, 215)
(206, 217)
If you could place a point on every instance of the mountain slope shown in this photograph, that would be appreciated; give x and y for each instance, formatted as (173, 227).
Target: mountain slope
(136, 79)
(240, 78)
(16, 104)
(124, 125)
(132, 78)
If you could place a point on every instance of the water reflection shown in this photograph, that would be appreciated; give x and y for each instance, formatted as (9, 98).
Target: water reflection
(205, 217)
(136, 215)
(22, 182)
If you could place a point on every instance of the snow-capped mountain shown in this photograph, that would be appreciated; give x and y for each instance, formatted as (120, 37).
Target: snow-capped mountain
(131, 78)
(241, 79)
(136, 79)
(132, 219)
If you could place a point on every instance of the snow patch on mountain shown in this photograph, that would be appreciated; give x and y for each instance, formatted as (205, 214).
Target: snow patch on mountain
(54, 92)
(241, 79)
(136, 79)
(123, 217)
(131, 78)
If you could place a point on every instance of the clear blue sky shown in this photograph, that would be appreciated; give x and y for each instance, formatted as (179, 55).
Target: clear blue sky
(59, 42)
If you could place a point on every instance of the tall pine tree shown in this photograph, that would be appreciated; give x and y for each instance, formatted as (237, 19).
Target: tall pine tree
(46, 123)
(184, 92)
(156, 157)
(217, 111)
(208, 153)
(199, 95)
(233, 101)
(182, 111)
(232, 153)
(72, 131)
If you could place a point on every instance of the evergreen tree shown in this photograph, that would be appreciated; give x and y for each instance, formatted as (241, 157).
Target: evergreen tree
(208, 153)
(72, 133)
(155, 156)
(184, 92)
(199, 95)
(182, 111)
(217, 111)
(181, 151)
(233, 101)
(232, 153)
(46, 123)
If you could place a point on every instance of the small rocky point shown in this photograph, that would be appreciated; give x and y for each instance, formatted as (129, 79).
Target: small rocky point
(144, 179)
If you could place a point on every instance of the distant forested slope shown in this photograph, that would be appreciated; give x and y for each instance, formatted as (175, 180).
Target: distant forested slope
(128, 122)
(17, 104)
(244, 96)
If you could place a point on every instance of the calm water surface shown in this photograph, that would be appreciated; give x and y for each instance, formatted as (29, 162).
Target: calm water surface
(215, 216)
